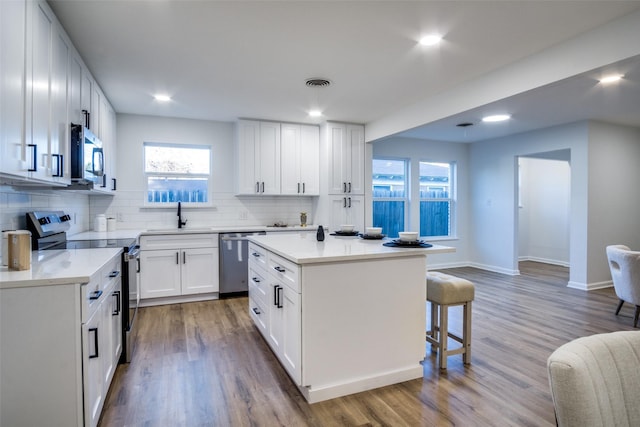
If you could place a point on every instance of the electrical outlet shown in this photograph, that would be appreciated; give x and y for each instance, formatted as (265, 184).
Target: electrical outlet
(244, 215)
(120, 217)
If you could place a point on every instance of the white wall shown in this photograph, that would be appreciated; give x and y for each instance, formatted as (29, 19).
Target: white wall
(417, 150)
(614, 196)
(227, 210)
(493, 196)
(543, 214)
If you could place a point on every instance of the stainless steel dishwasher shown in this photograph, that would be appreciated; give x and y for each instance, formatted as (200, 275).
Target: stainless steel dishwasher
(234, 250)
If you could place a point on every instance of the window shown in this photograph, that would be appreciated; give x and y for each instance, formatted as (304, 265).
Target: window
(177, 173)
(390, 196)
(436, 199)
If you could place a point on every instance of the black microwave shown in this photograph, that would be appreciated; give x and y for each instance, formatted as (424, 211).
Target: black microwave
(87, 157)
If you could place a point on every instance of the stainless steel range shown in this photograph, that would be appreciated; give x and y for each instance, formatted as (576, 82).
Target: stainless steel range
(49, 231)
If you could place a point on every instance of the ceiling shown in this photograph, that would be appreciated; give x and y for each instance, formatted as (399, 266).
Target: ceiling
(221, 60)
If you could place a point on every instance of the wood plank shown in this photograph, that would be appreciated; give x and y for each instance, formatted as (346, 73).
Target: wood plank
(205, 363)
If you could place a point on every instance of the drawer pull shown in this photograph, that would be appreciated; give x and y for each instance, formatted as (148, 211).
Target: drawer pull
(95, 343)
(114, 273)
(255, 279)
(256, 254)
(256, 311)
(279, 269)
(95, 295)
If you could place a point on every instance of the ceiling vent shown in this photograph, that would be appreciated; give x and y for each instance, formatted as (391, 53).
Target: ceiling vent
(317, 82)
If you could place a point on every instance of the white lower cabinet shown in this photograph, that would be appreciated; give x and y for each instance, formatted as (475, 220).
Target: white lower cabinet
(347, 210)
(177, 265)
(58, 364)
(274, 305)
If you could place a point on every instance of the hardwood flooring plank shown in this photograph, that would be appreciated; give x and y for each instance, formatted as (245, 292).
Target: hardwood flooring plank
(205, 364)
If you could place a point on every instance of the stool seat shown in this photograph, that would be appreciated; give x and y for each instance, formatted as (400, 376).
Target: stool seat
(444, 291)
(447, 289)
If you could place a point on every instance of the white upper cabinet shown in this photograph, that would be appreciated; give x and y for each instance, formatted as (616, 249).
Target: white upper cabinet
(258, 158)
(12, 87)
(44, 86)
(346, 158)
(300, 150)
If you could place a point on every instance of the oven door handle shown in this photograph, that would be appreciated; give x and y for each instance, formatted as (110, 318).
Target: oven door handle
(130, 256)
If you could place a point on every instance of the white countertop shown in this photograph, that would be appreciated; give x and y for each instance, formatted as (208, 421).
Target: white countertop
(303, 248)
(132, 234)
(58, 267)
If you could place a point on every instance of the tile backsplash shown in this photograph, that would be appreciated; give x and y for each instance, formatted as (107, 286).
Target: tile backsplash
(127, 208)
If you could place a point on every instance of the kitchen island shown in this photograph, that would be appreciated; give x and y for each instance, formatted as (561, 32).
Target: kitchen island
(343, 315)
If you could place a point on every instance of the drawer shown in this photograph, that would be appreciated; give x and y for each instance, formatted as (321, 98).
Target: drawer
(110, 272)
(257, 256)
(258, 285)
(184, 241)
(285, 271)
(258, 314)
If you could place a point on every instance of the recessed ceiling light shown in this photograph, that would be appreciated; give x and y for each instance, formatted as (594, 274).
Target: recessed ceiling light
(612, 78)
(430, 40)
(162, 98)
(315, 113)
(496, 118)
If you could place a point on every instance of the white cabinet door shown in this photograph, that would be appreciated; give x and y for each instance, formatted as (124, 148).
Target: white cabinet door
(116, 320)
(275, 325)
(199, 270)
(86, 91)
(269, 158)
(75, 89)
(346, 158)
(106, 342)
(160, 273)
(310, 160)
(93, 379)
(95, 116)
(291, 331)
(247, 145)
(59, 138)
(13, 149)
(347, 210)
(290, 158)
(39, 54)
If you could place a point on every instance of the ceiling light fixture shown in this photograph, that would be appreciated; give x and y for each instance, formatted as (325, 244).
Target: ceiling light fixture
(430, 40)
(611, 79)
(162, 98)
(496, 118)
(316, 83)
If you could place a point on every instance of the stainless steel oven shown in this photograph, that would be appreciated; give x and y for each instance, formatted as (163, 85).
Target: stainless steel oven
(130, 287)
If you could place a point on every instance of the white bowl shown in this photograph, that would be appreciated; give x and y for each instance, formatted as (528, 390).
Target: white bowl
(373, 231)
(408, 236)
(347, 228)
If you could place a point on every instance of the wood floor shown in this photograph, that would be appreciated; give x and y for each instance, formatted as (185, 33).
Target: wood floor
(205, 364)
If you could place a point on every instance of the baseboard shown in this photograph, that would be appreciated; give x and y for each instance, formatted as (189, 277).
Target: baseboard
(590, 286)
(494, 269)
(544, 260)
(150, 302)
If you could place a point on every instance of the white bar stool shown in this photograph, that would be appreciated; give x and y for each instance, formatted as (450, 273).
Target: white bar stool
(444, 291)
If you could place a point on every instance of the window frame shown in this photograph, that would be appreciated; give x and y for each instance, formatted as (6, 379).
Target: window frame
(407, 190)
(452, 199)
(146, 175)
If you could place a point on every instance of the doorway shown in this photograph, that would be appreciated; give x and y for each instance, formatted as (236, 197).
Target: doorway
(543, 208)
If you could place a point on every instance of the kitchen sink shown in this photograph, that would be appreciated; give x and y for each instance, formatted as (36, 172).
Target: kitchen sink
(180, 230)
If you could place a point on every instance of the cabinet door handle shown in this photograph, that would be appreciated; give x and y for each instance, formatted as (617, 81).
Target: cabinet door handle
(116, 294)
(113, 184)
(137, 265)
(344, 187)
(257, 187)
(298, 188)
(95, 343)
(104, 181)
(58, 165)
(255, 310)
(280, 288)
(349, 187)
(344, 202)
(34, 159)
(303, 188)
(275, 295)
(349, 201)
(177, 257)
(279, 269)
(184, 257)
(262, 187)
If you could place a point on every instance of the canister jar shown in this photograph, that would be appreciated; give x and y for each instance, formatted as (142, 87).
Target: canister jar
(100, 223)
(19, 245)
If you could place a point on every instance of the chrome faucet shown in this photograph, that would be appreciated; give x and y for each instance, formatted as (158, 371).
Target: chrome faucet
(180, 221)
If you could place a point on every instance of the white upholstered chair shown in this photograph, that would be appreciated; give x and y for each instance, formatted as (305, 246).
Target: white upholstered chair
(625, 272)
(595, 380)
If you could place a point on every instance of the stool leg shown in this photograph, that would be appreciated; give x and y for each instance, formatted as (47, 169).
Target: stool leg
(466, 333)
(434, 324)
(443, 336)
